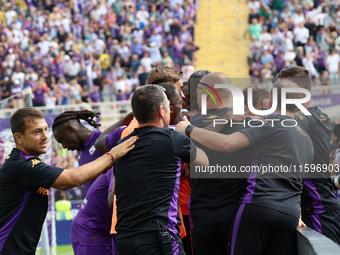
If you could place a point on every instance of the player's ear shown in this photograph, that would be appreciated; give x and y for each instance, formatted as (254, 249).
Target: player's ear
(246, 109)
(18, 138)
(161, 111)
(70, 128)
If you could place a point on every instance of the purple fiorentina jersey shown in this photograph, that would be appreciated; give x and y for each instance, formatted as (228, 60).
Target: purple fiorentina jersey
(39, 95)
(89, 153)
(112, 138)
(92, 224)
(95, 97)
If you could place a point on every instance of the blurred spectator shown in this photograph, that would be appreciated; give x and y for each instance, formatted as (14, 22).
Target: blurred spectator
(143, 75)
(82, 76)
(135, 63)
(254, 5)
(267, 76)
(279, 63)
(72, 68)
(301, 34)
(189, 50)
(63, 207)
(267, 58)
(98, 82)
(50, 102)
(17, 94)
(18, 75)
(255, 69)
(94, 96)
(75, 92)
(31, 74)
(309, 65)
(155, 54)
(332, 64)
(167, 60)
(255, 28)
(324, 81)
(121, 89)
(320, 59)
(85, 94)
(253, 13)
(64, 91)
(38, 92)
(110, 81)
(187, 69)
(146, 61)
(299, 56)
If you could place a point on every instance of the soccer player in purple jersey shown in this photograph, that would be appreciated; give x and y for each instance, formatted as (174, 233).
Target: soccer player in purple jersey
(90, 231)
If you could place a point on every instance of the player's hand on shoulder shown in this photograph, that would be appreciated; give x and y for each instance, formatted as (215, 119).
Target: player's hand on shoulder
(121, 149)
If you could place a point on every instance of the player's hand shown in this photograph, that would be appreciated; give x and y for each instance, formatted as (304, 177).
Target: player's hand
(182, 125)
(121, 149)
(301, 224)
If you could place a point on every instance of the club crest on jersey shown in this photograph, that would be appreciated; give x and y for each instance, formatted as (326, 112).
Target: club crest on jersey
(212, 117)
(35, 162)
(323, 118)
(92, 149)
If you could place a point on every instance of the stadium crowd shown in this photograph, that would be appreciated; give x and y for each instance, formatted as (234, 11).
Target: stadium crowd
(68, 51)
(295, 32)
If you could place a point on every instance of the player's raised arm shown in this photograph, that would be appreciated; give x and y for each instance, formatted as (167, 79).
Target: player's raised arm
(76, 177)
(100, 143)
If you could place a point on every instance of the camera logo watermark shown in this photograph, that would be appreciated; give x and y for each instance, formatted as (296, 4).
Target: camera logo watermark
(238, 99)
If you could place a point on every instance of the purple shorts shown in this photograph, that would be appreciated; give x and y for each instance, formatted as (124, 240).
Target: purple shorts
(80, 249)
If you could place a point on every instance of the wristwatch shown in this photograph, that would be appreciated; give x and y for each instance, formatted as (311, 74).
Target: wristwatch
(188, 130)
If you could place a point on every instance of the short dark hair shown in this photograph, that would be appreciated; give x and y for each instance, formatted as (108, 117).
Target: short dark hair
(298, 75)
(193, 81)
(170, 90)
(18, 119)
(258, 95)
(146, 101)
(287, 84)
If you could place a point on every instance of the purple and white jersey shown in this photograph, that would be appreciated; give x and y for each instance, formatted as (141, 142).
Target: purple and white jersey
(89, 154)
(92, 224)
(112, 138)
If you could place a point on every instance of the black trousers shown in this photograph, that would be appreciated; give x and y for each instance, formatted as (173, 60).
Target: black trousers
(327, 223)
(211, 239)
(260, 230)
(144, 245)
(187, 239)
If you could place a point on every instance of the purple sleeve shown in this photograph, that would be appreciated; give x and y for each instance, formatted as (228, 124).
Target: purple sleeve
(112, 138)
(110, 180)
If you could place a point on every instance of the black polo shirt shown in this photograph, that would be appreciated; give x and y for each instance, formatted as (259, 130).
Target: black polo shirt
(278, 146)
(147, 182)
(24, 184)
(317, 194)
(213, 200)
